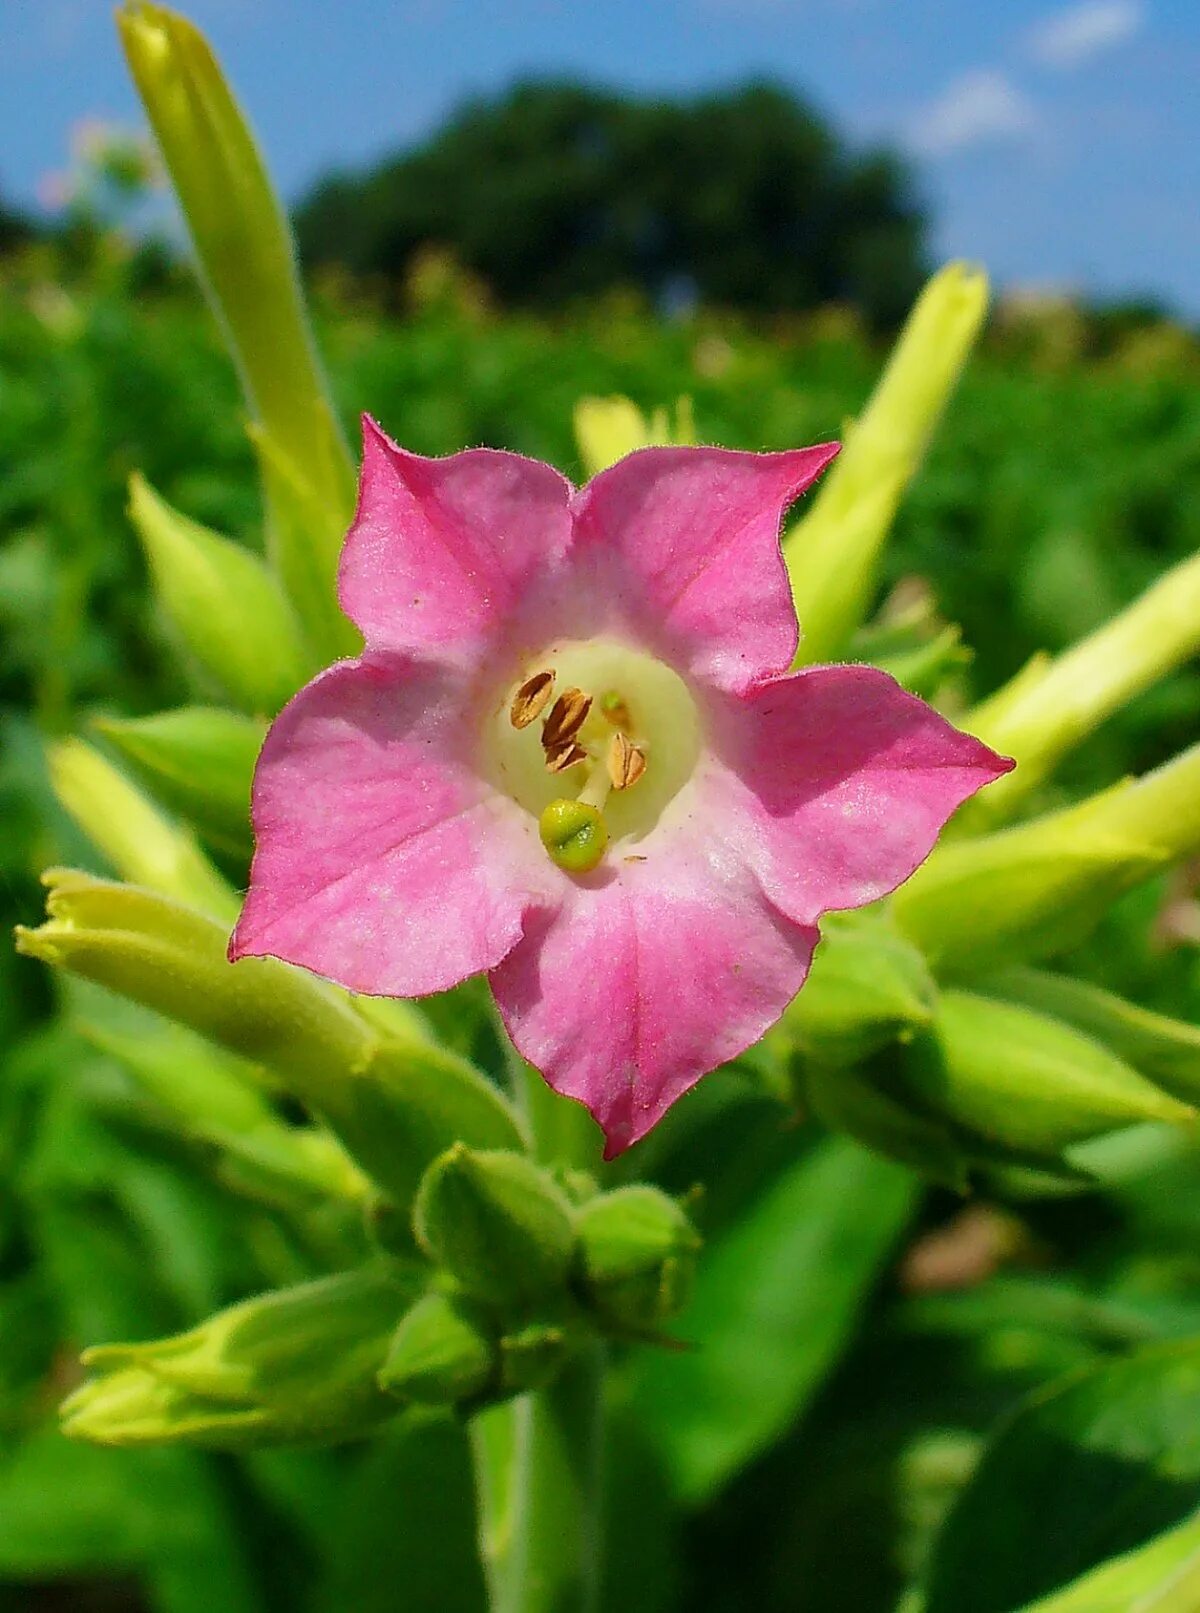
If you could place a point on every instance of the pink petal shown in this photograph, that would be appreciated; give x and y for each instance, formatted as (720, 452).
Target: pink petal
(383, 861)
(646, 977)
(688, 539)
(843, 782)
(441, 550)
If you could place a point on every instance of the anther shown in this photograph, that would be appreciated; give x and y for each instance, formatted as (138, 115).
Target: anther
(530, 699)
(625, 762)
(567, 717)
(564, 756)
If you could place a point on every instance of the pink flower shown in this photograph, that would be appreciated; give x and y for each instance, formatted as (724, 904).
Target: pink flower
(571, 755)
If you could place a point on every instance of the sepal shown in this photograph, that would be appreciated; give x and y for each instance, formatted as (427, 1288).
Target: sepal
(635, 1259)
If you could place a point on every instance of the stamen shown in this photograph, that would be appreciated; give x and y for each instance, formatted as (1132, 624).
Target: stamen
(564, 756)
(612, 704)
(567, 716)
(625, 761)
(574, 834)
(530, 699)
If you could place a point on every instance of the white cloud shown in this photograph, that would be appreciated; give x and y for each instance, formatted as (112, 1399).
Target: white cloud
(1068, 38)
(978, 108)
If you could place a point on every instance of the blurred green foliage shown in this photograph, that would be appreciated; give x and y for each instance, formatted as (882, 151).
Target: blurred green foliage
(809, 1479)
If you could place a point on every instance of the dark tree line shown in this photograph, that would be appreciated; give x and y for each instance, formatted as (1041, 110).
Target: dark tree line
(556, 191)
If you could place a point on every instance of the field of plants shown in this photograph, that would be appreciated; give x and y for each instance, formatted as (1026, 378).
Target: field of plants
(1060, 484)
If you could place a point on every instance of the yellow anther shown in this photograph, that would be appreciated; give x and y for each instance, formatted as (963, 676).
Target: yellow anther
(564, 756)
(567, 716)
(530, 699)
(625, 762)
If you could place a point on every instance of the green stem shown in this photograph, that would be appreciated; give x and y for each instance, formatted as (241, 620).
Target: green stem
(538, 1459)
(538, 1467)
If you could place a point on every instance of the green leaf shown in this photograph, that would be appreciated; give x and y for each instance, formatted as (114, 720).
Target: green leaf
(1085, 1470)
(1161, 1577)
(776, 1301)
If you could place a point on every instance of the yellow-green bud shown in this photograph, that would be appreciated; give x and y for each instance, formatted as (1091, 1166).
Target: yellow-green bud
(497, 1223)
(575, 835)
(300, 1364)
(139, 840)
(441, 1353)
(606, 429)
(231, 616)
(1025, 1080)
(635, 1258)
(200, 760)
(831, 552)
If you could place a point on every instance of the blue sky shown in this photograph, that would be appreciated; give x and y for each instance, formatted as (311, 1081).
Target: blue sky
(1057, 144)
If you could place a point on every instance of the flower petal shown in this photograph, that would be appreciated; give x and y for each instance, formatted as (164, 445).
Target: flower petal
(646, 977)
(692, 541)
(441, 550)
(843, 781)
(383, 861)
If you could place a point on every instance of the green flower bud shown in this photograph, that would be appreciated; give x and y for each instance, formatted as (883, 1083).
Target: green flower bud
(394, 1106)
(1026, 1081)
(245, 250)
(139, 841)
(198, 759)
(1051, 705)
(497, 1223)
(1163, 1049)
(868, 986)
(1039, 888)
(831, 552)
(299, 1364)
(227, 609)
(575, 835)
(440, 1354)
(635, 1258)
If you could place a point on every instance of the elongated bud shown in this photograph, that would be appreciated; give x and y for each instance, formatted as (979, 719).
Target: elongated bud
(1048, 709)
(1165, 1050)
(868, 985)
(200, 760)
(441, 1354)
(139, 841)
(606, 429)
(247, 261)
(1025, 1080)
(300, 1364)
(636, 1258)
(1039, 888)
(497, 1223)
(394, 1106)
(230, 614)
(831, 552)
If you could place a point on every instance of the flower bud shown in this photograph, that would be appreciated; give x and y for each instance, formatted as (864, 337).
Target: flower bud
(395, 1106)
(1025, 1080)
(440, 1354)
(228, 611)
(200, 760)
(248, 265)
(497, 1223)
(139, 841)
(635, 1258)
(1049, 708)
(831, 551)
(299, 1364)
(606, 429)
(1165, 1050)
(868, 986)
(1039, 888)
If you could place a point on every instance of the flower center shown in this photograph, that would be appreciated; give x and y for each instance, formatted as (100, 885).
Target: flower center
(599, 727)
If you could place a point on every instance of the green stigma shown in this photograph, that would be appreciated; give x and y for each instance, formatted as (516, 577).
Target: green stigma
(574, 834)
